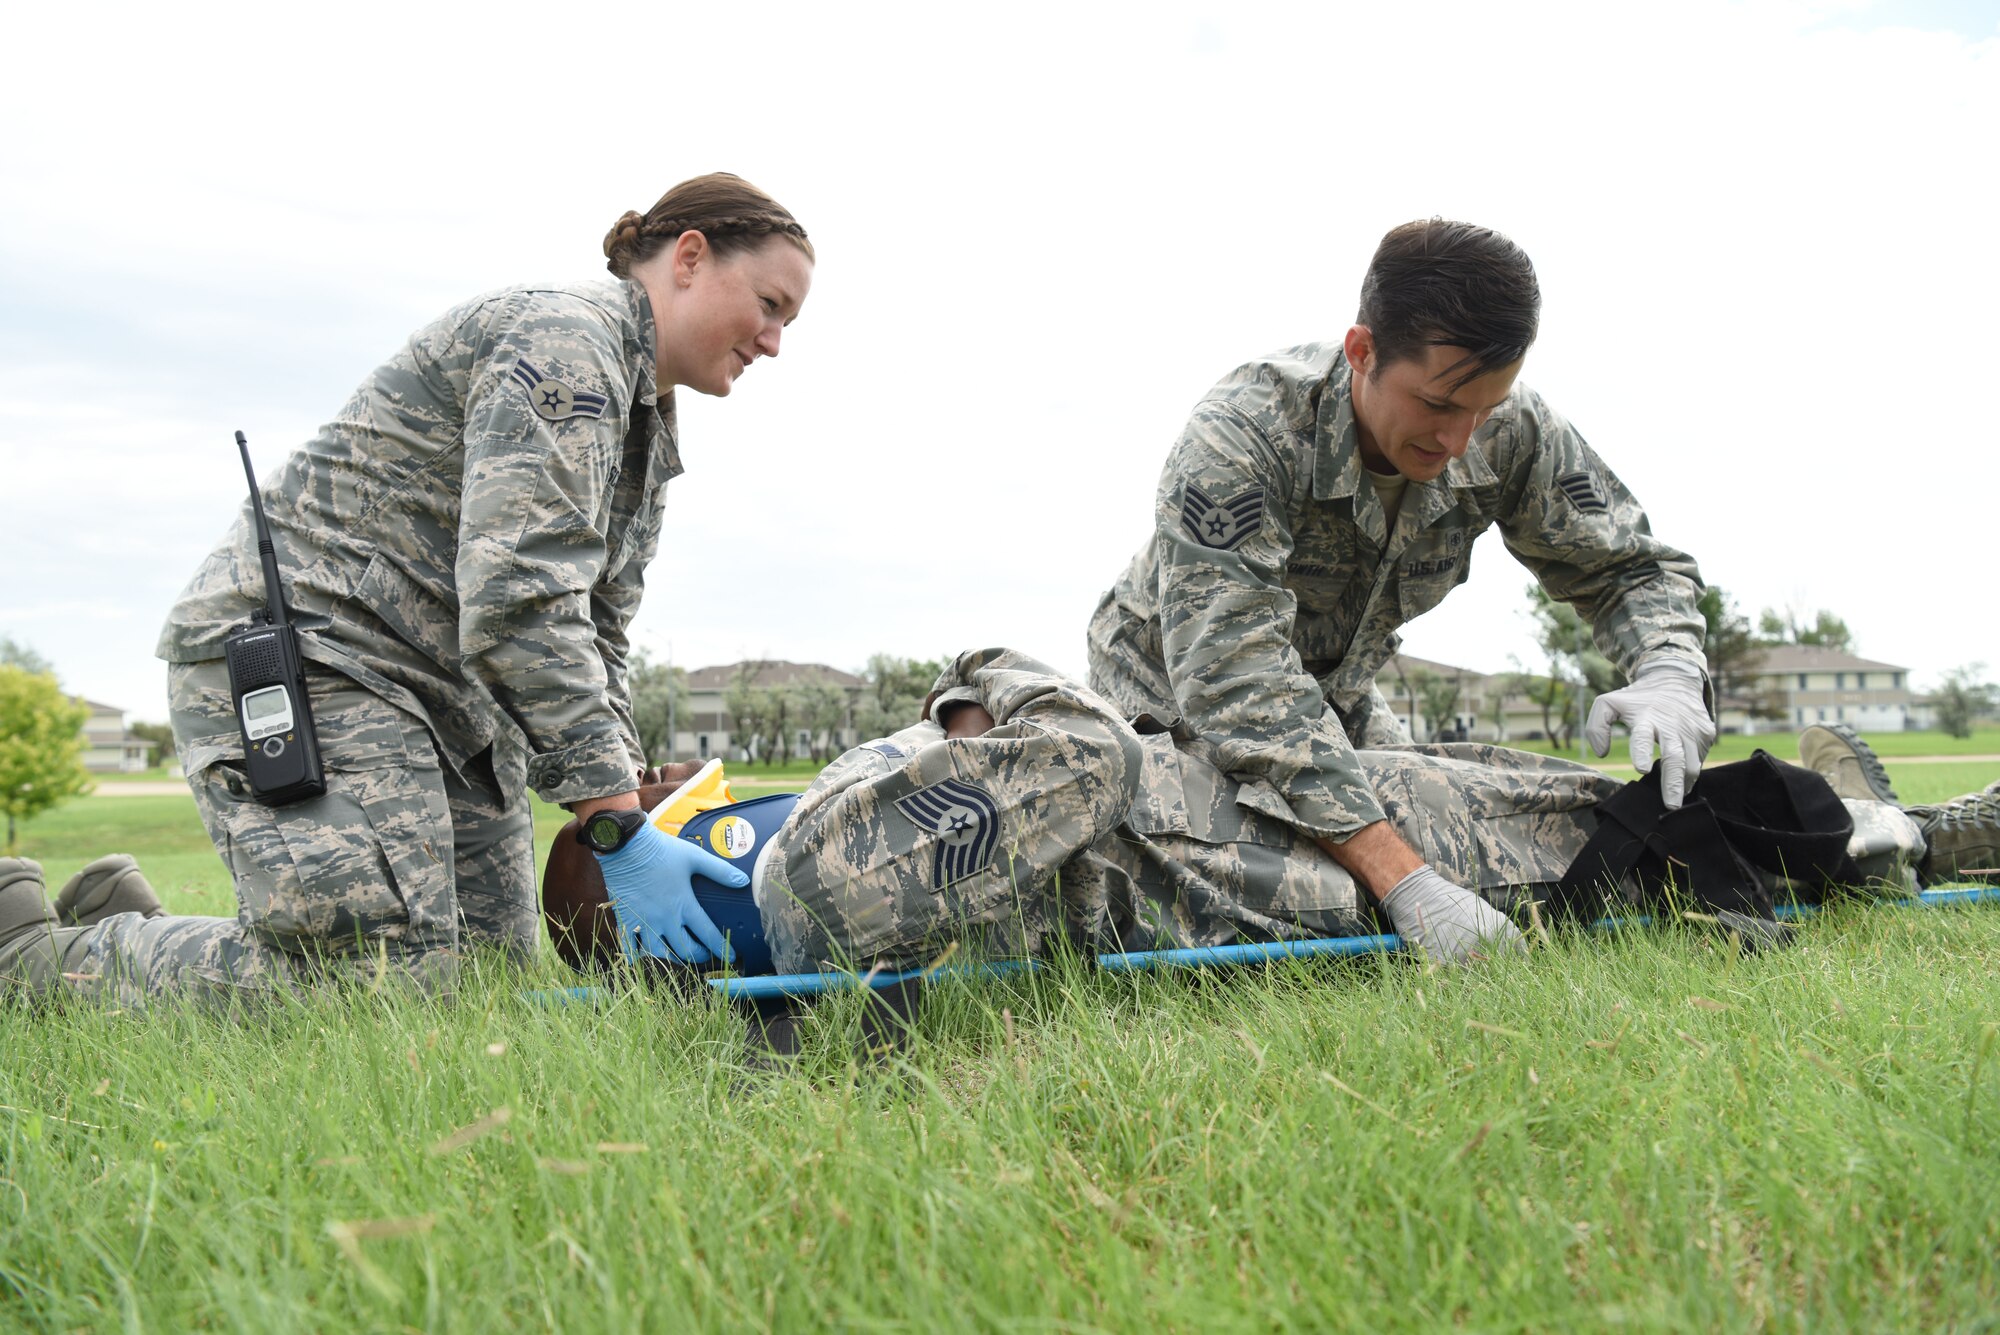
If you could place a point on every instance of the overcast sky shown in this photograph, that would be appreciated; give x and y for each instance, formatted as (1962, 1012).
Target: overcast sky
(1765, 235)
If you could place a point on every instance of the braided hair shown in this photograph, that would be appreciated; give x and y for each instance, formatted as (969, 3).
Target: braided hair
(734, 215)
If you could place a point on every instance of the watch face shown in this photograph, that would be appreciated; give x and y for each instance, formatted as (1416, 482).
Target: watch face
(604, 831)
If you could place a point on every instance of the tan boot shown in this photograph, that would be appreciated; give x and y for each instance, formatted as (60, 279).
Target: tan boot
(24, 902)
(32, 946)
(112, 884)
(1962, 837)
(1837, 753)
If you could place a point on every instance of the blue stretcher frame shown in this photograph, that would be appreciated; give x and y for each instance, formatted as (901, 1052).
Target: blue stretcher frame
(770, 986)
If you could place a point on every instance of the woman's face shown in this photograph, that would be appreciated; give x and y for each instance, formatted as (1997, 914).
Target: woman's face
(717, 315)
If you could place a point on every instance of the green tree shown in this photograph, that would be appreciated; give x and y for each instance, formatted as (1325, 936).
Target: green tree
(1576, 669)
(820, 709)
(161, 735)
(753, 713)
(1824, 630)
(1557, 699)
(1735, 653)
(1437, 698)
(1496, 706)
(896, 691)
(13, 653)
(41, 745)
(1963, 698)
(659, 705)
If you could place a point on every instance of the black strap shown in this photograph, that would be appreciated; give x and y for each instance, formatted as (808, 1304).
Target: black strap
(1685, 856)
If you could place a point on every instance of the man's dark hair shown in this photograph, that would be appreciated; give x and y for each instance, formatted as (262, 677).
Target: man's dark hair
(1434, 283)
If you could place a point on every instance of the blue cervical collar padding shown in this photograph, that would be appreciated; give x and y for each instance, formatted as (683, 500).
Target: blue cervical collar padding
(738, 833)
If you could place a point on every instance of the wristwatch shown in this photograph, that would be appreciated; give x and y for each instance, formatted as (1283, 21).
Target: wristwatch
(605, 832)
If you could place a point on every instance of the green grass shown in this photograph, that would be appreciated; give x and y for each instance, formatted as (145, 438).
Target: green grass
(1643, 1132)
(1984, 741)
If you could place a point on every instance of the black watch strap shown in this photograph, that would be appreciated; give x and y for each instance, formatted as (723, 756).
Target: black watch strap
(609, 830)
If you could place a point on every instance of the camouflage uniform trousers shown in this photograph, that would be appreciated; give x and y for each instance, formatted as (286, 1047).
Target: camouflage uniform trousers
(398, 865)
(1193, 862)
(909, 844)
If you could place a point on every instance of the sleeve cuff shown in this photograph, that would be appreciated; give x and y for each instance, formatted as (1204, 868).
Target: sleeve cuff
(595, 768)
(1314, 818)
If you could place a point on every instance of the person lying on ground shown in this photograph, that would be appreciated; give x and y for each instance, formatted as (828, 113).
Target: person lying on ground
(1023, 810)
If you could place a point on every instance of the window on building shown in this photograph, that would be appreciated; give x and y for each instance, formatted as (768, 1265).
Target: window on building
(1896, 681)
(1861, 681)
(1802, 681)
(1840, 681)
(1822, 716)
(1802, 717)
(701, 745)
(805, 740)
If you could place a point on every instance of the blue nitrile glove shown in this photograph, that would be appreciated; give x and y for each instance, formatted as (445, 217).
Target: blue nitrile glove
(1663, 704)
(652, 891)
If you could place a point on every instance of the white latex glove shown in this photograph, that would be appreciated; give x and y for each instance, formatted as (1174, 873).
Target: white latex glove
(1664, 705)
(1445, 920)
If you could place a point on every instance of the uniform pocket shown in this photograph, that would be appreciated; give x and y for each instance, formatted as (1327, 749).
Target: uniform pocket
(370, 860)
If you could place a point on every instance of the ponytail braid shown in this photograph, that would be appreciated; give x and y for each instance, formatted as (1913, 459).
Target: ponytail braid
(731, 213)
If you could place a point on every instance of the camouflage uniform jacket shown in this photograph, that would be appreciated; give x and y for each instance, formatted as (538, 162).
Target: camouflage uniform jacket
(1271, 591)
(468, 538)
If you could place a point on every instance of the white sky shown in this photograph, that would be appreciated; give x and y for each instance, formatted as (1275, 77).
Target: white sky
(1765, 233)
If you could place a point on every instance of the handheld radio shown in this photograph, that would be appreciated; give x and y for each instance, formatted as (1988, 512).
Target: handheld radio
(268, 680)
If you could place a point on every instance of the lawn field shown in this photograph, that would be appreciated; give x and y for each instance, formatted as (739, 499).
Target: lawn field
(1984, 741)
(1643, 1131)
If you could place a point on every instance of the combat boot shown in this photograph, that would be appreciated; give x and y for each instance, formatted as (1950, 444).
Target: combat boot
(32, 945)
(1961, 837)
(1837, 753)
(112, 884)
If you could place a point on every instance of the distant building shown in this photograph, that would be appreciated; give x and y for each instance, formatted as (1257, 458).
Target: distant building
(108, 747)
(1806, 684)
(1488, 708)
(710, 731)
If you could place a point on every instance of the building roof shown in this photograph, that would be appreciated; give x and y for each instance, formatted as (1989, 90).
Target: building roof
(1411, 663)
(769, 672)
(1817, 658)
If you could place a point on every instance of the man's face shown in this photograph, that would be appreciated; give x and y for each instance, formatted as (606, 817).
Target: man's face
(1409, 419)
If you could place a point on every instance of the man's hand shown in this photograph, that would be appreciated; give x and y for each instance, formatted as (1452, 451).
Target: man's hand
(1376, 856)
(1664, 704)
(650, 881)
(1446, 921)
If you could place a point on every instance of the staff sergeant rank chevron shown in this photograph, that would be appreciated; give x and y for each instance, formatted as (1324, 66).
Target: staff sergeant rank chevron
(966, 821)
(552, 400)
(1221, 525)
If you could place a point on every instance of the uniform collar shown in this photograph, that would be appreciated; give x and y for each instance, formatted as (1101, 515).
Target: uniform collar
(1337, 462)
(642, 347)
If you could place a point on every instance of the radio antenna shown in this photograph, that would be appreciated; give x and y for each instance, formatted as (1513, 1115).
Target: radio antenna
(274, 592)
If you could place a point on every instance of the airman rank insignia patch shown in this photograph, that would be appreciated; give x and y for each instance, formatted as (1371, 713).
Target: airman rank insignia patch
(1583, 492)
(889, 749)
(552, 400)
(966, 822)
(1221, 525)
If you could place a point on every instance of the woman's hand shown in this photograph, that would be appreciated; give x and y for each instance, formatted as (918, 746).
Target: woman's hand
(651, 884)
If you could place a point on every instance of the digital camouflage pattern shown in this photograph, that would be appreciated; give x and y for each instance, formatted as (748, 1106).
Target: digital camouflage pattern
(468, 537)
(915, 840)
(1270, 593)
(1194, 861)
(399, 868)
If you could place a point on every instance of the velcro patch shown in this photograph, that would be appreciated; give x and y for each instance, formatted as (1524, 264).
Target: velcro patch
(1583, 492)
(1221, 525)
(889, 749)
(966, 822)
(552, 400)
